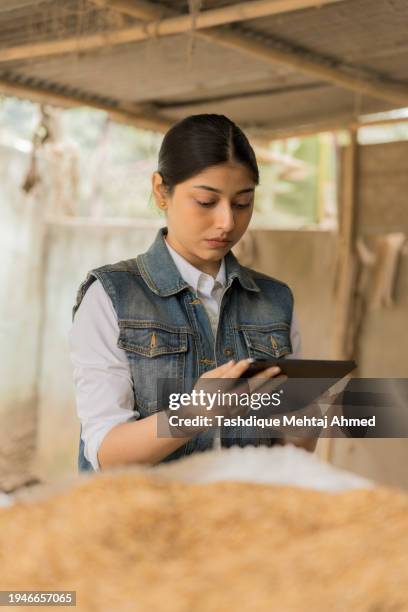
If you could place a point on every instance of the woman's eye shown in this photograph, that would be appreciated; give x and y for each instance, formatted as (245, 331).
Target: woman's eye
(247, 205)
(205, 203)
(237, 205)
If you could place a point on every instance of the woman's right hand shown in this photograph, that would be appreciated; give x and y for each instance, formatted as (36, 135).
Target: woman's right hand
(231, 372)
(223, 379)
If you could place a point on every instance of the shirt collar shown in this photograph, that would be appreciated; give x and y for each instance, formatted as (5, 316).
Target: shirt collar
(193, 275)
(162, 276)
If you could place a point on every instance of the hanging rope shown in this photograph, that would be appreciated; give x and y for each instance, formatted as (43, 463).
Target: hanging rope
(194, 8)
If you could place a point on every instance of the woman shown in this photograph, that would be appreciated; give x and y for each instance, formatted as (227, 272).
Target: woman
(185, 310)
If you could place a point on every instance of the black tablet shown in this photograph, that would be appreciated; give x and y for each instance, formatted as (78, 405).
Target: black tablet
(304, 368)
(307, 379)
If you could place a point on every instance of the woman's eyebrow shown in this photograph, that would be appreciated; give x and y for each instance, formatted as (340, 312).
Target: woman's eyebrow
(247, 190)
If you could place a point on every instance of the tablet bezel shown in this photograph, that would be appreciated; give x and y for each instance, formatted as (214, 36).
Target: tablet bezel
(304, 368)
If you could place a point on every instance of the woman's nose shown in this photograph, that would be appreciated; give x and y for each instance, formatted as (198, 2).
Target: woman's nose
(225, 218)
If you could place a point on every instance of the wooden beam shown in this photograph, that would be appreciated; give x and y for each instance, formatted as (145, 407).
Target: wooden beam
(178, 24)
(143, 116)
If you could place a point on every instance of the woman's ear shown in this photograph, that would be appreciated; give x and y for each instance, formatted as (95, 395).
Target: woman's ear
(159, 190)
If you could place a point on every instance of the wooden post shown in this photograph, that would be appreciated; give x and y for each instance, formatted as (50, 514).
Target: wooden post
(346, 260)
(346, 265)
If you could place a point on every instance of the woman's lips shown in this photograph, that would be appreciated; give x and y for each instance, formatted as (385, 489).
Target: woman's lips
(218, 244)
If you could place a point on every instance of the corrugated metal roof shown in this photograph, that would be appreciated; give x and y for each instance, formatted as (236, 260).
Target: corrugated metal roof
(363, 38)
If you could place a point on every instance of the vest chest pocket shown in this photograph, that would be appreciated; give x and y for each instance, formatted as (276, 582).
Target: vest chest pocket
(154, 351)
(267, 341)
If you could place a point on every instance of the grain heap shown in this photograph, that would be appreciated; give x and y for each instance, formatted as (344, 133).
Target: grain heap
(131, 541)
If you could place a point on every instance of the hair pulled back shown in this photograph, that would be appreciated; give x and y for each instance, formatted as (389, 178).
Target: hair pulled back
(200, 141)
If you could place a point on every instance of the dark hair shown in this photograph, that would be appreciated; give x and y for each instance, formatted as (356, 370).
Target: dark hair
(200, 141)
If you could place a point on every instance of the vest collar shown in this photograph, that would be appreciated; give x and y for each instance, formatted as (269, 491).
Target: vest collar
(161, 275)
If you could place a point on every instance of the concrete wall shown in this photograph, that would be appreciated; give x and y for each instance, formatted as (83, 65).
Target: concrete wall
(21, 243)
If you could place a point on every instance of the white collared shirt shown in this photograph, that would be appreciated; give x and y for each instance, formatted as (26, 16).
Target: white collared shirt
(104, 386)
(207, 288)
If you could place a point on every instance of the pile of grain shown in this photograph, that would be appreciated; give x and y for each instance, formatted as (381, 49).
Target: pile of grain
(281, 465)
(131, 541)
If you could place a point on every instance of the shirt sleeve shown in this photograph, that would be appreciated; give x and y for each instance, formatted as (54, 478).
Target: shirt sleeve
(295, 339)
(102, 379)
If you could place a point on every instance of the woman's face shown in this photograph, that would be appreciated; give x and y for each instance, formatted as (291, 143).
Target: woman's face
(215, 205)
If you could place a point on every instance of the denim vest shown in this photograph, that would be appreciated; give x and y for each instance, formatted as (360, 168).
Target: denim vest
(166, 332)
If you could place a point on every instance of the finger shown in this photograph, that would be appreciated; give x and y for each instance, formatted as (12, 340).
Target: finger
(267, 384)
(238, 368)
(261, 378)
(272, 371)
(230, 377)
(226, 366)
